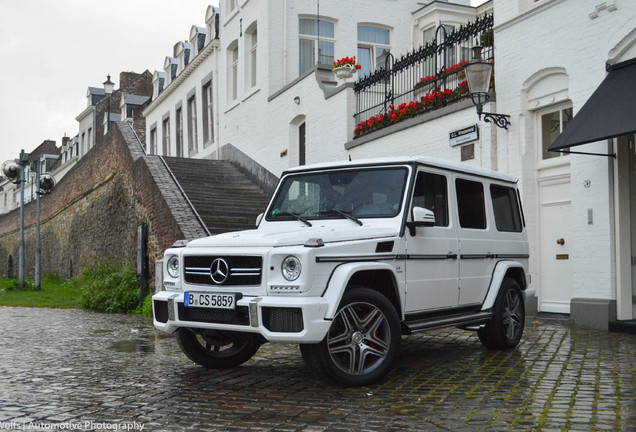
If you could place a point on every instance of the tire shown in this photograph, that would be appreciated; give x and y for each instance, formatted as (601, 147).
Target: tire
(216, 351)
(505, 329)
(362, 343)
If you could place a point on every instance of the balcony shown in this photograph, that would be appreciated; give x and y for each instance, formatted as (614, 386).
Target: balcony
(423, 80)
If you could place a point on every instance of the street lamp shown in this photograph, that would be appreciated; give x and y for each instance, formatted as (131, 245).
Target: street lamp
(14, 171)
(109, 86)
(478, 73)
(44, 183)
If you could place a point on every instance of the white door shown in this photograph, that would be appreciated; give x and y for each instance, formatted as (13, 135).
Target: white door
(556, 263)
(432, 266)
(632, 203)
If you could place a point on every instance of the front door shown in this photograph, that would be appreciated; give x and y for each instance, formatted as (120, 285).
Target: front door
(432, 266)
(555, 236)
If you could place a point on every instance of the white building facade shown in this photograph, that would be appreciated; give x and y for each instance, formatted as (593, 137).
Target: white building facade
(261, 90)
(578, 206)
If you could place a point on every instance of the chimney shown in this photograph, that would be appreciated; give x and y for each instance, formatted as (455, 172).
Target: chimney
(127, 78)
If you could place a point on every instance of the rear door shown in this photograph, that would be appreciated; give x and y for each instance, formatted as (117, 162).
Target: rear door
(477, 242)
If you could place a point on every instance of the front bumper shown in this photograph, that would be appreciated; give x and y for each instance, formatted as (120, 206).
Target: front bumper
(277, 319)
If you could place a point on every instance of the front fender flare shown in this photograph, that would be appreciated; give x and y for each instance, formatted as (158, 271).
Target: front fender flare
(340, 278)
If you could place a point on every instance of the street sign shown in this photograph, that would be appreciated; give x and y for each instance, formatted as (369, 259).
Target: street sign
(462, 136)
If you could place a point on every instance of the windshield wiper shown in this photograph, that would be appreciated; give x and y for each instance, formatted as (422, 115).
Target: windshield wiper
(294, 215)
(341, 213)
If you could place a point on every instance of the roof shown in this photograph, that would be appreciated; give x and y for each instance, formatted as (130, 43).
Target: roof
(424, 160)
(47, 146)
(131, 99)
(96, 91)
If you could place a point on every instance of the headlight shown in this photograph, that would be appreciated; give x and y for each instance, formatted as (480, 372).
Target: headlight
(291, 268)
(173, 266)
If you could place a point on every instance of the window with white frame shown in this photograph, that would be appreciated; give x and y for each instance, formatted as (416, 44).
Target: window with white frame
(374, 45)
(552, 121)
(233, 63)
(453, 54)
(316, 43)
(251, 57)
(192, 125)
(231, 5)
(208, 119)
(179, 132)
(428, 36)
(90, 137)
(165, 136)
(153, 141)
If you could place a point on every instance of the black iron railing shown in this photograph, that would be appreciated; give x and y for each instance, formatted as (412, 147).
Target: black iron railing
(425, 79)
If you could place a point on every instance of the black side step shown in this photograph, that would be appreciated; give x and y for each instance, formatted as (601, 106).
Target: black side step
(447, 321)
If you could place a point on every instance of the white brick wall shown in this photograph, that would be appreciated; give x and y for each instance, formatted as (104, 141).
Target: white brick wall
(560, 33)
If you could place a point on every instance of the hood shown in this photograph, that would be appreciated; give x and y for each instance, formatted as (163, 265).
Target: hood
(294, 236)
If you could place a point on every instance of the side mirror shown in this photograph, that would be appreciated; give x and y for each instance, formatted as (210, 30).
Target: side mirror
(422, 217)
(259, 218)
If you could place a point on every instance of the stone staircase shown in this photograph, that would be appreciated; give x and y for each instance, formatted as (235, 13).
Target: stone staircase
(225, 198)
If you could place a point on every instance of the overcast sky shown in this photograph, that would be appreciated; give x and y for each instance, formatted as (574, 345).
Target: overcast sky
(52, 50)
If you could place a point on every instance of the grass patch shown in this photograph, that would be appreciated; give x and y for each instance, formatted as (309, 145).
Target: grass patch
(54, 294)
(108, 287)
(104, 287)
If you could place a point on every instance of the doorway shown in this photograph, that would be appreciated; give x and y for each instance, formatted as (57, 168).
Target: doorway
(555, 235)
(631, 146)
(301, 144)
(625, 226)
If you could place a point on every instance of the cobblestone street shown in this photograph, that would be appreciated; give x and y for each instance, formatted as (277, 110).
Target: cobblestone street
(67, 367)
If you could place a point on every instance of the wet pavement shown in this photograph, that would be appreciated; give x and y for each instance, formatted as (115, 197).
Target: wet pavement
(78, 370)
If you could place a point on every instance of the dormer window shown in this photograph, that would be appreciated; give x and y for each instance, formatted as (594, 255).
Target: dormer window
(182, 53)
(158, 81)
(170, 68)
(131, 106)
(197, 39)
(94, 95)
(212, 23)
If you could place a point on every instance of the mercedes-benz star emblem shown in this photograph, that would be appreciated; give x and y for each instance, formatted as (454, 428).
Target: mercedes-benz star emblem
(219, 271)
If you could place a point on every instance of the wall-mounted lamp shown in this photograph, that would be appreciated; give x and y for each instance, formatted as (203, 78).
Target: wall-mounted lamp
(297, 100)
(478, 73)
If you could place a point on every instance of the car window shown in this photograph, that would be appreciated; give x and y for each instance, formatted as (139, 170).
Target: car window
(368, 192)
(506, 208)
(431, 193)
(470, 204)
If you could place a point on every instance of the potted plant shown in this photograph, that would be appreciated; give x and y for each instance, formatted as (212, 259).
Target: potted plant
(345, 67)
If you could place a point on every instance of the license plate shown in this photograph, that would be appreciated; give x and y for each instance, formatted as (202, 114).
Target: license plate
(209, 300)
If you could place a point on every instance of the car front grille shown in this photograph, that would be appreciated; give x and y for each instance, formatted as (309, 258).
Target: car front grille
(222, 271)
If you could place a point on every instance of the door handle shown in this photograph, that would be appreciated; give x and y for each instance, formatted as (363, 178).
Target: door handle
(561, 241)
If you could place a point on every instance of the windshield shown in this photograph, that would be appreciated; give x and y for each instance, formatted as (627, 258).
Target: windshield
(362, 192)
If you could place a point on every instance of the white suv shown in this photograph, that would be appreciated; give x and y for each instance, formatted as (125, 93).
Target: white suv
(348, 258)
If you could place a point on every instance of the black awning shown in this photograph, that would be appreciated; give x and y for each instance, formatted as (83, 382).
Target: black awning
(610, 112)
